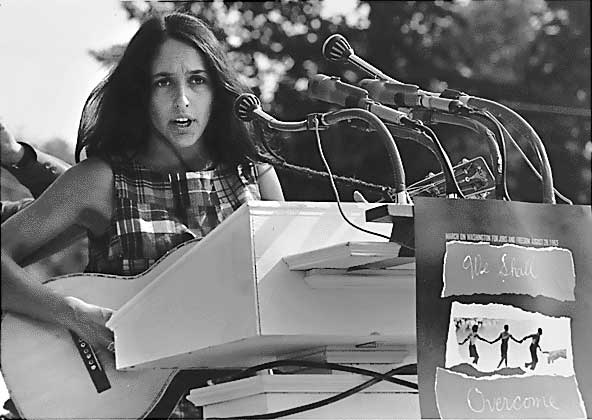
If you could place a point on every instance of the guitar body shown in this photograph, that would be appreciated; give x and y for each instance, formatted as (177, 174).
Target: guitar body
(46, 375)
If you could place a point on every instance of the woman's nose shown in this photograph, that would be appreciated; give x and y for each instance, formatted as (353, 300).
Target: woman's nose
(181, 99)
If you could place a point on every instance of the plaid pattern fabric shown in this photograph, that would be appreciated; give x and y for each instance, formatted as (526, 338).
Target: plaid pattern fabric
(155, 212)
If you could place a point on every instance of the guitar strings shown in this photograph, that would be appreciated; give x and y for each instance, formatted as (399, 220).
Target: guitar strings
(412, 189)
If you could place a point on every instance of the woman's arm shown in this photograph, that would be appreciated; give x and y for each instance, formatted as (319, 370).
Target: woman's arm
(269, 183)
(526, 337)
(499, 337)
(80, 200)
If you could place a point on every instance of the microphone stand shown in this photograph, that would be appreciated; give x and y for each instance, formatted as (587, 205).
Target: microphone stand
(398, 171)
(336, 48)
(427, 138)
(519, 124)
(318, 121)
(431, 116)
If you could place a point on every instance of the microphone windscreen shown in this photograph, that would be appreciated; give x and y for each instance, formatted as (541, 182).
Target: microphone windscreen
(384, 92)
(244, 106)
(336, 48)
(333, 90)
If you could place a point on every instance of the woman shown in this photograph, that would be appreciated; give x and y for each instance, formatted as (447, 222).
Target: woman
(505, 337)
(167, 162)
(472, 338)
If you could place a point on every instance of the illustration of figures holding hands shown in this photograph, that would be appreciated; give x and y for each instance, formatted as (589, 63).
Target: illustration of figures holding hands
(472, 338)
(505, 337)
(534, 345)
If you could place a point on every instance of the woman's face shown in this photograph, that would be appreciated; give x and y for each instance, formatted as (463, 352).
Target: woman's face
(182, 94)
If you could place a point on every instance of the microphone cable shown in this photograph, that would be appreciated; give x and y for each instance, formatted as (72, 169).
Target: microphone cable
(336, 48)
(277, 161)
(452, 188)
(335, 192)
(492, 123)
(520, 125)
(376, 378)
(430, 116)
(531, 166)
(247, 108)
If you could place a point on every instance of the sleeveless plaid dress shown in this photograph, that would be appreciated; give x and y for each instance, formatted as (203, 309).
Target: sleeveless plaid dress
(155, 212)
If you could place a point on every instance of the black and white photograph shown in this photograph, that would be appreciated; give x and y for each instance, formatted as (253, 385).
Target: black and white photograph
(238, 209)
(502, 340)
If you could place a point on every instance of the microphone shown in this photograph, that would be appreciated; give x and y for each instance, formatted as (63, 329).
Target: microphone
(333, 90)
(247, 107)
(336, 48)
(403, 95)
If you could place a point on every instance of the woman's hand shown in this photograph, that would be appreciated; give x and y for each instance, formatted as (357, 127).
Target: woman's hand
(88, 322)
(11, 151)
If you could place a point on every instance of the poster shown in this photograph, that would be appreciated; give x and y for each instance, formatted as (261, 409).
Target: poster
(504, 308)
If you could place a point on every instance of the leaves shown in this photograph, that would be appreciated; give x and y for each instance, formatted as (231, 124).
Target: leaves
(524, 51)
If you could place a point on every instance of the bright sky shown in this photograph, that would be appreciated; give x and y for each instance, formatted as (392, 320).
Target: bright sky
(46, 72)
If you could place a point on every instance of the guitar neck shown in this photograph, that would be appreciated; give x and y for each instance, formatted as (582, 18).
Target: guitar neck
(473, 177)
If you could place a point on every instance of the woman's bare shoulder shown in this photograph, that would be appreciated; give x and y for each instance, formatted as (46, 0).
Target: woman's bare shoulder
(87, 191)
(80, 199)
(92, 172)
(94, 183)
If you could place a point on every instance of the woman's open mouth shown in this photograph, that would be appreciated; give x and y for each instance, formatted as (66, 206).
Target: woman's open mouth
(182, 122)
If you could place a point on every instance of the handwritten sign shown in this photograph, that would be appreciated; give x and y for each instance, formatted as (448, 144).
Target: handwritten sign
(471, 268)
(525, 397)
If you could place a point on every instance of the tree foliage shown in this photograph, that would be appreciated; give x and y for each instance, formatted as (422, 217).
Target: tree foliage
(514, 51)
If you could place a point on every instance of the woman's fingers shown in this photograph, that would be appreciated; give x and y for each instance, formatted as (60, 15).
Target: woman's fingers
(89, 322)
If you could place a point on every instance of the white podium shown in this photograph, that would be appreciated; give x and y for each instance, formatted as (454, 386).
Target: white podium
(276, 281)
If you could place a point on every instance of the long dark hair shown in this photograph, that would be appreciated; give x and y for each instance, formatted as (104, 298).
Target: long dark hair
(115, 121)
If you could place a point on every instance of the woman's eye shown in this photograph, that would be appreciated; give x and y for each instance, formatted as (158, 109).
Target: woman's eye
(162, 83)
(197, 80)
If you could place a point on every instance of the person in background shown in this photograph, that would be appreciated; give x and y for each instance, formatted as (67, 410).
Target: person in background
(472, 338)
(505, 337)
(534, 347)
(33, 168)
(166, 163)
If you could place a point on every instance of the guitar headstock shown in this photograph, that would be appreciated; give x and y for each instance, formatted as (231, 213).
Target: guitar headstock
(473, 176)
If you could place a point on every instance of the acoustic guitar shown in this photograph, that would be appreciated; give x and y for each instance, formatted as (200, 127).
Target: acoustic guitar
(51, 374)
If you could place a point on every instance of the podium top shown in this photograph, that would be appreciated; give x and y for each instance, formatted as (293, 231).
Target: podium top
(386, 212)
